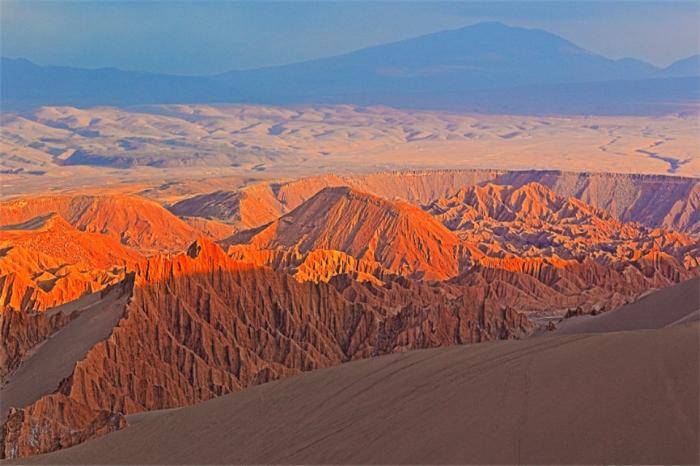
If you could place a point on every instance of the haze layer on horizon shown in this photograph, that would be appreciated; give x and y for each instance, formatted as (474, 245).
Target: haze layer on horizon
(197, 38)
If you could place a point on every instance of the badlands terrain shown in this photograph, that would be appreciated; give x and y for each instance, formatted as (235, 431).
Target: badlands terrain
(549, 400)
(480, 245)
(120, 303)
(64, 148)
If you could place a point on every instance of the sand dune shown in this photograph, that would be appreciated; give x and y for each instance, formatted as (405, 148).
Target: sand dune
(50, 362)
(626, 398)
(680, 303)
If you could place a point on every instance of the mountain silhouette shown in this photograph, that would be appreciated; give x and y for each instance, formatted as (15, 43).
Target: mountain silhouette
(488, 67)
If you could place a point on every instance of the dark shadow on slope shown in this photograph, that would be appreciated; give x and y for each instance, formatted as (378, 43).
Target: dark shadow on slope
(54, 359)
(623, 398)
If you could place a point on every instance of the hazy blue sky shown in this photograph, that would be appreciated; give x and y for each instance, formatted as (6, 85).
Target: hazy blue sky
(210, 37)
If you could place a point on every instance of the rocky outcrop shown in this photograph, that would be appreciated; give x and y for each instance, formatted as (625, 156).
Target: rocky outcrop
(201, 324)
(396, 236)
(49, 425)
(342, 276)
(653, 200)
(45, 262)
(539, 245)
(533, 221)
(135, 221)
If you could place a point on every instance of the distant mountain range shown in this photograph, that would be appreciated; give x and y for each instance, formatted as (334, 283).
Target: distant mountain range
(487, 67)
(686, 67)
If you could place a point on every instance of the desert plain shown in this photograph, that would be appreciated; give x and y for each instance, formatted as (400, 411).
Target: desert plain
(64, 148)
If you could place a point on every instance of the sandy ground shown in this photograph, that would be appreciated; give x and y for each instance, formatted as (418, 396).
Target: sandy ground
(616, 397)
(679, 302)
(64, 148)
(54, 359)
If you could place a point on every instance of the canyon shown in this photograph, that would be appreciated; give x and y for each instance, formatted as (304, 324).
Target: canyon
(204, 290)
(491, 403)
(245, 233)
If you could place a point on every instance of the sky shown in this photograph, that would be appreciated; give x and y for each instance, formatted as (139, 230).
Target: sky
(208, 37)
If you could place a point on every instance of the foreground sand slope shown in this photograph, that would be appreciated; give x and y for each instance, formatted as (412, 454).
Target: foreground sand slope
(681, 303)
(628, 397)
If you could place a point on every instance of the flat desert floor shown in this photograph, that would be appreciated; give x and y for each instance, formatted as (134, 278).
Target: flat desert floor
(65, 148)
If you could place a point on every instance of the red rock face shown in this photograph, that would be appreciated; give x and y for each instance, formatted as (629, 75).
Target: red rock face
(341, 275)
(201, 324)
(47, 425)
(653, 200)
(532, 221)
(395, 236)
(556, 254)
(133, 220)
(46, 262)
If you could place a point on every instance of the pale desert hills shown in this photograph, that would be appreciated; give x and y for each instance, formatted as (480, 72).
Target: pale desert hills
(560, 399)
(294, 265)
(59, 148)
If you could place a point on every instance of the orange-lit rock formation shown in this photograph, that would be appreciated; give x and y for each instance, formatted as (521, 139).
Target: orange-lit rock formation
(528, 239)
(397, 236)
(46, 262)
(327, 274)
(201, 324)
(653, 200)
(133, 220)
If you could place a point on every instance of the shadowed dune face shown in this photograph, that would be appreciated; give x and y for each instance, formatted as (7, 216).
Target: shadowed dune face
(681, 303)
(49, 364)
(554, 400)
